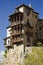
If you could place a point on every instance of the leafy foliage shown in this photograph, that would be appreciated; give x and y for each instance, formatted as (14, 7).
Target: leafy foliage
(5, 54)
(39, 44)
(34, 58)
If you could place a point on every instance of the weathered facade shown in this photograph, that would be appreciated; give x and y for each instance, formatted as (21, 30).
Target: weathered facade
(40, 30)
(25, 29)
(24, 25)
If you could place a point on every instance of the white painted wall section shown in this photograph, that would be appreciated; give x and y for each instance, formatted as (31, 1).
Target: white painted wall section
(8, 32)
(21, 9)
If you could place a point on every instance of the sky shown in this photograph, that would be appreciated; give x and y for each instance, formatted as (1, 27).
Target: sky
(2, 56)
(7, 7)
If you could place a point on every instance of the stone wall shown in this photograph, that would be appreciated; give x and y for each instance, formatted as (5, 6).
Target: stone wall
(14, 55)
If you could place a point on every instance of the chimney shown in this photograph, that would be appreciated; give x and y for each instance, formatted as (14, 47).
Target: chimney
(30, 5)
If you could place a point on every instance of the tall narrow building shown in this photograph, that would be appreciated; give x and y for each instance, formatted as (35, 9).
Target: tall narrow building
(23, 30)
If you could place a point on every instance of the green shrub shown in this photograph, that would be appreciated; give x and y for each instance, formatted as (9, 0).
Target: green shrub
(34, 58)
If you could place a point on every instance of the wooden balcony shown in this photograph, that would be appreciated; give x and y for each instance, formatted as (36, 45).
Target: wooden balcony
(17, 40)
(17, 23)
(15, 33)
(7, 45)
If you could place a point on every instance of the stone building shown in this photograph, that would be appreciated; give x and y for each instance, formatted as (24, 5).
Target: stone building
(25, 29)
(40, 30)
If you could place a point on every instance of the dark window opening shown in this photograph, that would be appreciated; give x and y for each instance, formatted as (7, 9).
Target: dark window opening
(13, 28)
(18, 35)
(36, 16)
(15, 19)
(16, 27)
(21, 18)
(27, 12)
(28, 39)
(27, 46)
(27, 24)
(20, 27)
(40, 28)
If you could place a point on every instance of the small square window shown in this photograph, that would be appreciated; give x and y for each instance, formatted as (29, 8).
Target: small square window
(27, 12)
(40, 28)
(36, 16)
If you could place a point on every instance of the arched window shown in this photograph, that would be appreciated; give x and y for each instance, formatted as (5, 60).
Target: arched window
(8, 42)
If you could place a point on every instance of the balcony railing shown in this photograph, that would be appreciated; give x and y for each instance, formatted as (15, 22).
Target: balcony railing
(7, 45)
(17, 22)
(15, 32)
(17, 40)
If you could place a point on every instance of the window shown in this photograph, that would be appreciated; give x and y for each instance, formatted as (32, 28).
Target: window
(16, 27)
(13, 28)
(20, 18)
(18, 35)
(15, 19)
(8, 41)
(40, 28)
(27, 46)
(27, 11)
(20, 27)
(36, 16)
(27, 23)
